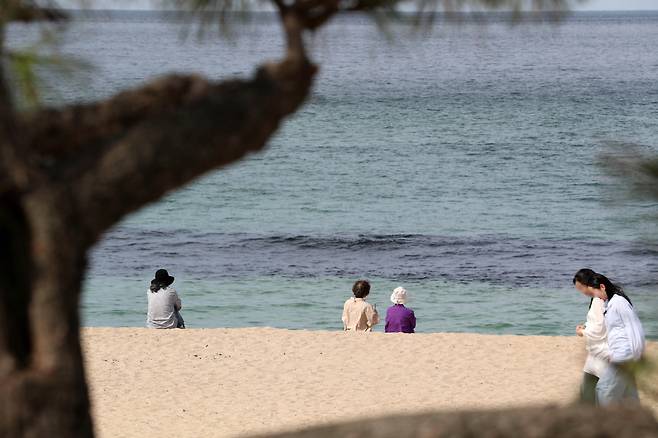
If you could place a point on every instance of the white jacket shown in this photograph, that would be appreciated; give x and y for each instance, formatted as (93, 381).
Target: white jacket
(595, 335)
(625, 332)
(162, 307)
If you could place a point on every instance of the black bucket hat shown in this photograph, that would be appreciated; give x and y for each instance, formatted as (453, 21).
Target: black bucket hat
(163, 277)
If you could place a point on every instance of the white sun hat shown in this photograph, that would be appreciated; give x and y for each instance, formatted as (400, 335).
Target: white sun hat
(399, 295)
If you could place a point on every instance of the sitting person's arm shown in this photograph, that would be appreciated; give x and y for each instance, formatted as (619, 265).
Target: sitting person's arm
(177, 301)
(372, 315)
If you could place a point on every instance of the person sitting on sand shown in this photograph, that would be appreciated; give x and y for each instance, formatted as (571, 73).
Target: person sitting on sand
(625, 343)
(163, 303)
(595, 334)
(398, 317)
(359, 315)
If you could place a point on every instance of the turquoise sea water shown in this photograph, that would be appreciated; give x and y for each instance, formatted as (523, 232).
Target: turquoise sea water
(463, 165)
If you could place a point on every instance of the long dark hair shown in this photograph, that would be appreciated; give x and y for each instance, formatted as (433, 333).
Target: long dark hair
(611, 289)
(583, 276)
(157, 285)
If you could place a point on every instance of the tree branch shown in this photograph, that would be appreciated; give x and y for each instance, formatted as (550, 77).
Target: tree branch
(281, 6)
(56, 133)
(28, 11)
(315, 13)
(164, 152)
(120, 154)
(572, 421)
(65, 132)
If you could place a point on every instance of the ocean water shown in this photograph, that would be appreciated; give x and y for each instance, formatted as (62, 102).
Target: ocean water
(464, 165)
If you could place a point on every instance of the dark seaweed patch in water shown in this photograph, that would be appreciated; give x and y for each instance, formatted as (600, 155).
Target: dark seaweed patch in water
(496, 259)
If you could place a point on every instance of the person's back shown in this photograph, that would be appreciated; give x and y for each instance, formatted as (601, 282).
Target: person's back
(163, 303)
(162, 307)
(625, 331)
(398, 317)
(358, 314)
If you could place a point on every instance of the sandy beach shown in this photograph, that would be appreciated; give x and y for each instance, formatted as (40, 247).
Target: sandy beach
(231, 382)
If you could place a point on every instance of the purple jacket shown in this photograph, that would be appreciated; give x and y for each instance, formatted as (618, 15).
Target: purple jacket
(400, 319)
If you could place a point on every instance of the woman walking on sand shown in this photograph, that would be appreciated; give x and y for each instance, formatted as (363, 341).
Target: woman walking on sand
(625, 342)
(595, 334)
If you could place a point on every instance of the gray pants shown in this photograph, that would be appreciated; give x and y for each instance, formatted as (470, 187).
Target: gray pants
(179, 318)
(616, 385)
(588, 389)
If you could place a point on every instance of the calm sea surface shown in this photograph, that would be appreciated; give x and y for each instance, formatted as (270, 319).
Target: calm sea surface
(463, 165)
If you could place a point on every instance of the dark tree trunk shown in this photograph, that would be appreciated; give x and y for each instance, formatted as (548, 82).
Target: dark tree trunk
(15, 344)
(41, 267)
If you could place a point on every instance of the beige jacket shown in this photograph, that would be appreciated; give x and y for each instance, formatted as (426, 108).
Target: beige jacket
(359, 315)
(595, 335)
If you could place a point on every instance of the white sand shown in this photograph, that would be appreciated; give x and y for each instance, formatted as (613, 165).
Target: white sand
(227, 382)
